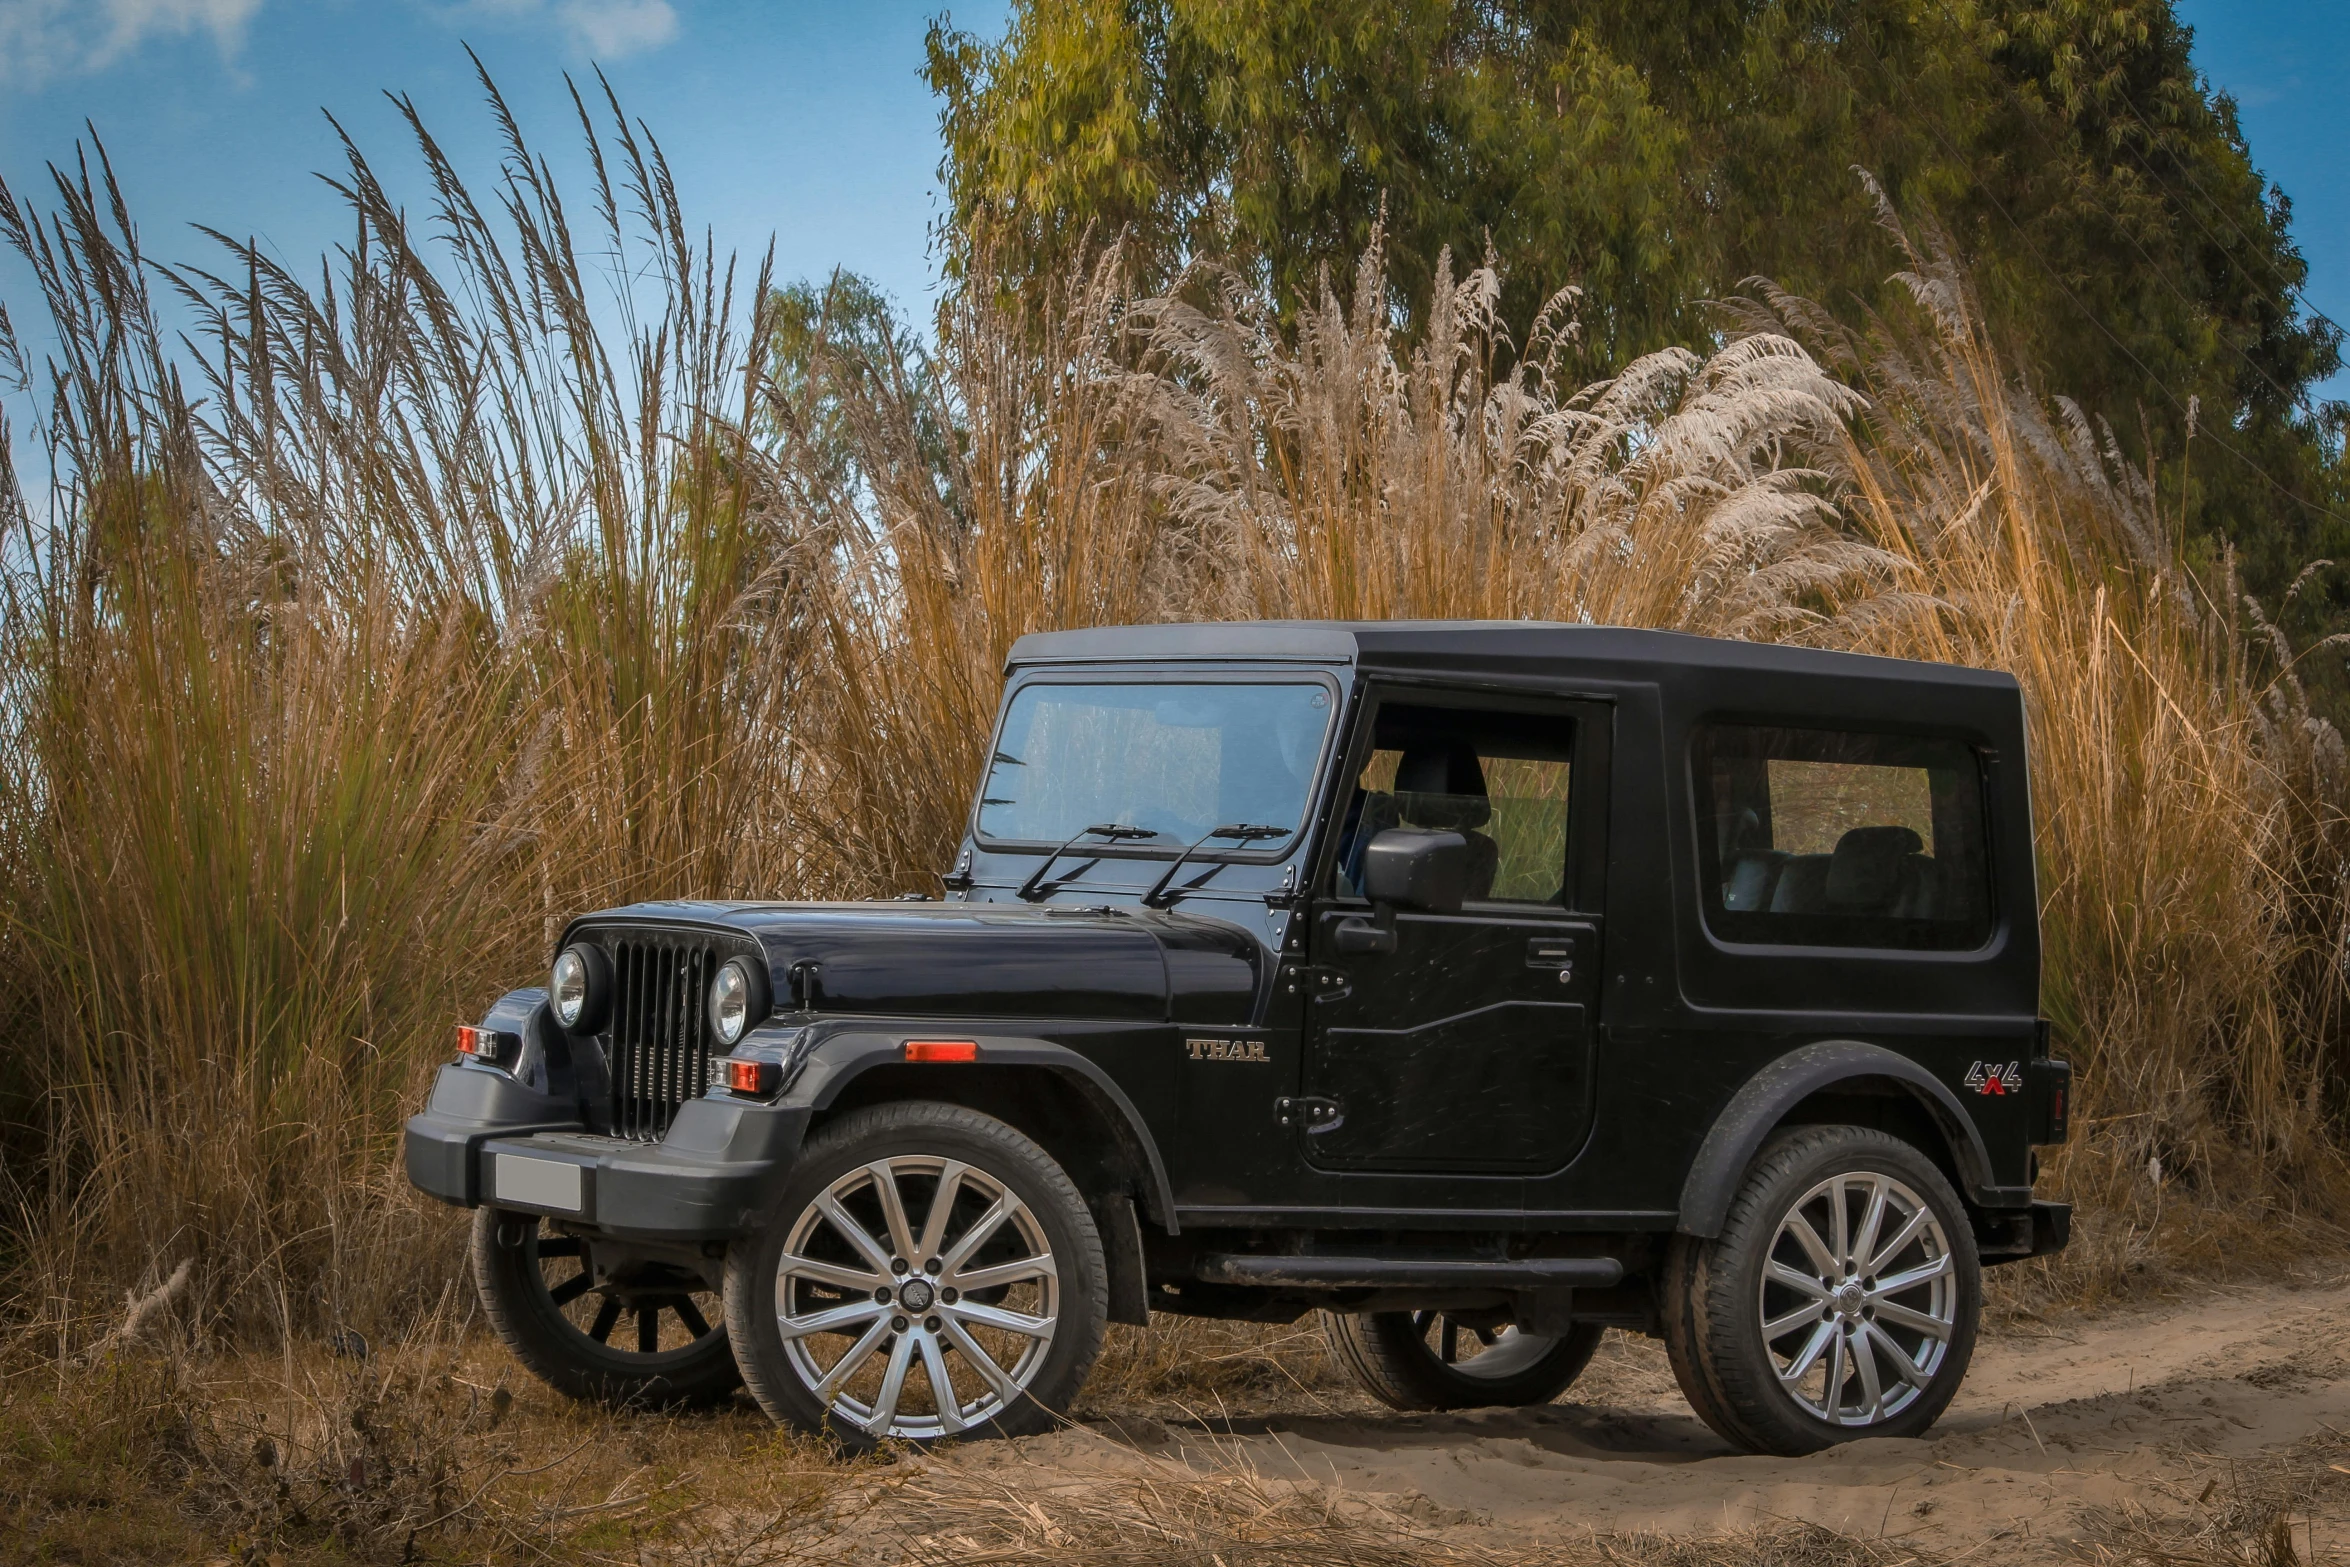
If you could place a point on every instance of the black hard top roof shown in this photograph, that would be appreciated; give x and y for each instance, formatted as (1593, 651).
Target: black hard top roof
(1511, 646)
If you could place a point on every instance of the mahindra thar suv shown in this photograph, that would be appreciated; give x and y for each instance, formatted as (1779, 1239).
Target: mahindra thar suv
(1477, 986)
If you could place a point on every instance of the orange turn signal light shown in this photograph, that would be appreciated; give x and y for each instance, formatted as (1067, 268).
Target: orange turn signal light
(942, 1049)
(750, 1077)
(487, 1044)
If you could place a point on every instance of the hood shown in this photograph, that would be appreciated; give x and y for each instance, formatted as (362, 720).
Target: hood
(988, 960)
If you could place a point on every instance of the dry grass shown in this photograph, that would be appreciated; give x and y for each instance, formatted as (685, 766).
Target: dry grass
(1178, 1515)
(2263, 1515)
(431, 1447)
(501, 571)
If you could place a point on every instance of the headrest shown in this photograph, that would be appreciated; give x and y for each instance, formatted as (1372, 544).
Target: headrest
(1865, 871)
(1442, 787)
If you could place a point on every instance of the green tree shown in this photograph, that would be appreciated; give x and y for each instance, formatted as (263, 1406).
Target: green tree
(1657, 156)
(833, 351)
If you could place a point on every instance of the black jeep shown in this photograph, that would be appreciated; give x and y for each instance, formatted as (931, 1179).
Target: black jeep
(1479, 986)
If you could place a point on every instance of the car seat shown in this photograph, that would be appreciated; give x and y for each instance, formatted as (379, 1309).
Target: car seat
(1442, 788)
(1872, 871)
(1750, 874)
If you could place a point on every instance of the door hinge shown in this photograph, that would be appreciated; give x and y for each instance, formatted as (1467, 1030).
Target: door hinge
(1311, 1112)
(1320, 981)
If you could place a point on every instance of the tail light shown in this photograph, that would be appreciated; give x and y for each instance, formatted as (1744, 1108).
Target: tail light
(2051, 1105)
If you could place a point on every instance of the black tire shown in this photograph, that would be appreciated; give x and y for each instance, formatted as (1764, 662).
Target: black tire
(1885, 1331)
(1400, 1358)
(916, 1321)
(547, 1306)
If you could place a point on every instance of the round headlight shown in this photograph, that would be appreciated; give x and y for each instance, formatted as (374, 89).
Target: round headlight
(569, 987)
(733, 994)
(580, 989)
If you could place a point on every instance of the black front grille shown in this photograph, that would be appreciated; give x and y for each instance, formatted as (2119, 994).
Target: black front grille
(659, 1044)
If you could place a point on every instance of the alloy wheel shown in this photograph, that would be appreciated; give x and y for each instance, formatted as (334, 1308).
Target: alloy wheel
(1859, 1299)
(917, 1297)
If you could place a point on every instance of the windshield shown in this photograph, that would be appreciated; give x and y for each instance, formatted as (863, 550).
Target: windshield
(1175, 760)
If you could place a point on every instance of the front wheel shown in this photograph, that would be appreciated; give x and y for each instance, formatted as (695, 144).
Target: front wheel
(926, 1272)
(1414, 1360)
(615, 1330)
(1840, 1300)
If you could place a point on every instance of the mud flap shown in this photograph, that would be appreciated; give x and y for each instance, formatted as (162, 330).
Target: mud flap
(1121, 1232)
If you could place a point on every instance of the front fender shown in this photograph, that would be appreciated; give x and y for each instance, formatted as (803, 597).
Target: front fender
(1758, 1108)
(839, 1059)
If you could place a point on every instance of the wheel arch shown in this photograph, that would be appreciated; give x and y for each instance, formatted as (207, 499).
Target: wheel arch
(1066, 1103)
(1796, 1088)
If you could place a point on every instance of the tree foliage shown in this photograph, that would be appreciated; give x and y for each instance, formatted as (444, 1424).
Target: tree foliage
(1657, 156)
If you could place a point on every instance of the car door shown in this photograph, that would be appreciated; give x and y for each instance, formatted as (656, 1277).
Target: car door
(1468, 1046)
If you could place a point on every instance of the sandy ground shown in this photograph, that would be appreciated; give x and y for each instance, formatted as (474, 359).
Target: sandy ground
(2160, 1414)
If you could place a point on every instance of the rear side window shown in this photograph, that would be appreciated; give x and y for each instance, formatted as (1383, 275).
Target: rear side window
(1827, 838)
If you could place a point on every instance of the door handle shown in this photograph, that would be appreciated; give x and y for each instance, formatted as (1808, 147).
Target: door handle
(1550, 951)
(1360, 935)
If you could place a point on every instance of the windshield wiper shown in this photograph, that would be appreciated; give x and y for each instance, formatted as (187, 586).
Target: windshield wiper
(1114, 831)
(1246, 832)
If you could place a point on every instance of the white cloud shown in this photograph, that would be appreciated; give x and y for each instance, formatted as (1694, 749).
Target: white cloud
(43, 39)
(613, 29)
(595, 29)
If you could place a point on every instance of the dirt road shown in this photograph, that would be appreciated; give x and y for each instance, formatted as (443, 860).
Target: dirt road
(2193, 1427)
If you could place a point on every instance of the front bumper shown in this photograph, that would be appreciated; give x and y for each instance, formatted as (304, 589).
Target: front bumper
(485, 1139)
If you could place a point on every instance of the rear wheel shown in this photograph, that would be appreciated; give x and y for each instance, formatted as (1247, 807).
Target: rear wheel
(926, 1272)
(1840, 1300)
(1416, 1360)
(615, 1330)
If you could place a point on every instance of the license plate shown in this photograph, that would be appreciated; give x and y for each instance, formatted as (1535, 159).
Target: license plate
(542, 1183)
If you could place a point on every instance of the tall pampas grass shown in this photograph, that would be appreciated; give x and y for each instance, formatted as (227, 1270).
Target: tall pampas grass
(373, 624)
(2193, 807)
(385, 619)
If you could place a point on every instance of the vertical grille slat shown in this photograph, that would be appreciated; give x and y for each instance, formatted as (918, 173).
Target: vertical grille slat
(658, 1047)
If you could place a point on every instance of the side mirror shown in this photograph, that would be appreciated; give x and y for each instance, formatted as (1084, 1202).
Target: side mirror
(1412, 869)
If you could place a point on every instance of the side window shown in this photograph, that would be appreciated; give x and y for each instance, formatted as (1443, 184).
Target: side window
(1499, 779)
(1816, 837)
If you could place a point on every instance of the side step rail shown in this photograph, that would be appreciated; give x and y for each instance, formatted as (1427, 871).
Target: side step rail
(1525, 1273)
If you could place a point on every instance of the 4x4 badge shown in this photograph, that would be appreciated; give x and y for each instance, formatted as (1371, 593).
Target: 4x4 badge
(1226, 1049)
(1989, 1077)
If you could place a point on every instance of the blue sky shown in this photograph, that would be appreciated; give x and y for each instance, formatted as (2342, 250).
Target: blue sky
(807, 121)
(2284, 62)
